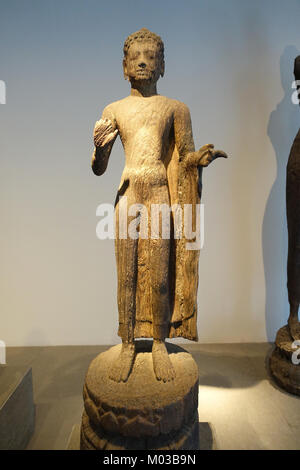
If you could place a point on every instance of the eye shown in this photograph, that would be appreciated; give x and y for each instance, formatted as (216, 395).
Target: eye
(150, 54)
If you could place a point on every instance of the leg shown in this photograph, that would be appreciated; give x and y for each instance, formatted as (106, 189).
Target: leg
(162, 365)
(293, 264)
(159, 276)
(126, 257)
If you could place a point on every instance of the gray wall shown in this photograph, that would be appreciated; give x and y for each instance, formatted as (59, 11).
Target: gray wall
(231, 62)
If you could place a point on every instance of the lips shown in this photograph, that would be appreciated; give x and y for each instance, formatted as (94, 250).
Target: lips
(142, 73)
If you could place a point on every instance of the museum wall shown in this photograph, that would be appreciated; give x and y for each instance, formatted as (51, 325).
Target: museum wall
(231, 62)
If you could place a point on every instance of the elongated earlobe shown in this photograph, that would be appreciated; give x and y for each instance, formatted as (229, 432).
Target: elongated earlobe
(162, 70)
(125, 70)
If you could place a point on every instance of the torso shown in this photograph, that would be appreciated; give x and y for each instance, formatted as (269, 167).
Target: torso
(146, 130)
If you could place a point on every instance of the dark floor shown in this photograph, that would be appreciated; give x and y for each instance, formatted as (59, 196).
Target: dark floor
(245, 409)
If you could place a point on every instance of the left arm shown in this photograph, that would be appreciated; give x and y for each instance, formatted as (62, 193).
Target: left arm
(185, 142)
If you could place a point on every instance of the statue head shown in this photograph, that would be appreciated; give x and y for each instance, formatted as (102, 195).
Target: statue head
(143, 57)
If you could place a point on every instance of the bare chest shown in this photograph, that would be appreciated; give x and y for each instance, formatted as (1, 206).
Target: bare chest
(152, 119)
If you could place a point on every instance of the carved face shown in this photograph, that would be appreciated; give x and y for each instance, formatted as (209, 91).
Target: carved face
(143, 62)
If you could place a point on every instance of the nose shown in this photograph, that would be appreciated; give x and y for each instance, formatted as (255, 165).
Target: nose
(142, 65)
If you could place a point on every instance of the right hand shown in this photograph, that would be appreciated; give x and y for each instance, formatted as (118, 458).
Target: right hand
(103, 132)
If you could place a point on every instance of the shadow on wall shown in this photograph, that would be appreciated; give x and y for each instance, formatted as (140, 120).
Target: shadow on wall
(282, 128)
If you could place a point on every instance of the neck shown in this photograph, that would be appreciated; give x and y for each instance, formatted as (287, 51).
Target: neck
(143, 89)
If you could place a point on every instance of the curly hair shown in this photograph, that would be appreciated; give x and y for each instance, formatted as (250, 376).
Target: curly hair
(145, 34)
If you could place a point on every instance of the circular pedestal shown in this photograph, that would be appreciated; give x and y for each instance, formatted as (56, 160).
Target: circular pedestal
(142, 413)
(286, 374)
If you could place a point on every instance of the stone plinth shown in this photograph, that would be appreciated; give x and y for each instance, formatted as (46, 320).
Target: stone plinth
(285, 373)
(17, 412)
(142, 413)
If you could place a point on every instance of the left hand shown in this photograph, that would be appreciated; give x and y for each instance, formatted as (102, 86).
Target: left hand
(207, 154)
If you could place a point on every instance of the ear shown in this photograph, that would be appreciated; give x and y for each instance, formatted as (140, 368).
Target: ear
(162, 68)
(125, 69)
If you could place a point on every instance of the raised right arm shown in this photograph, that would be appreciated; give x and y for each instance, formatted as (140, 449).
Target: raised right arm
(105, 133)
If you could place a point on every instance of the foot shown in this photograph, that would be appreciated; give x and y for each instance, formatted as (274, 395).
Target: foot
(162, 365)
(294, 327)
(123, 364)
